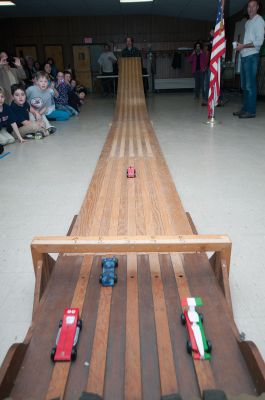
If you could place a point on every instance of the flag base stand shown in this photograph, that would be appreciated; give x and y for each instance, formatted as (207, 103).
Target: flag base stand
(211, 122)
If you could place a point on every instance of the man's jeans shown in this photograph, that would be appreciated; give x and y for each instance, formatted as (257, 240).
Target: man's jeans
(249, 66)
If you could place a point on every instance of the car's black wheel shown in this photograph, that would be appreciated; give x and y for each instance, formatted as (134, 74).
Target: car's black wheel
(60, 323)
(209, 345)
(53, 353)
(116, 261)
(201, 317)
(73, 354)
(100, 279)
(79, 324)
(183, 319)
(189, 347)
(115, 279)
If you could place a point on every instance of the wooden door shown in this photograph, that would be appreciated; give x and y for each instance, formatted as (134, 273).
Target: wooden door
(26, 51)
(82, 65)
(55, 52)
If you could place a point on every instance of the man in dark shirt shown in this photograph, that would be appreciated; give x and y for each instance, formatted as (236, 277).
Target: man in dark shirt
(129, 50)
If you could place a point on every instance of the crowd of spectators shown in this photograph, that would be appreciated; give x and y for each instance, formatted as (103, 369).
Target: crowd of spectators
(32, 96)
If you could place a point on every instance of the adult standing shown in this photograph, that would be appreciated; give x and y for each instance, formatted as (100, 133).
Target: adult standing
(106, 61)
(54, 69)
(48, 70)
(249, 52)
(10, 73)
(130, 50)
(197, 60)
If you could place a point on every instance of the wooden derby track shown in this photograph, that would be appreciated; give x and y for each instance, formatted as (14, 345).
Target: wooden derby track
(132, 345)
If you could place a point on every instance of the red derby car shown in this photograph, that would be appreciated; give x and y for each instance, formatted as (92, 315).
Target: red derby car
(131, 172)
(67, 337)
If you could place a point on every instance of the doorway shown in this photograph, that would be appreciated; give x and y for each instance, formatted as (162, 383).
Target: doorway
(82, 65)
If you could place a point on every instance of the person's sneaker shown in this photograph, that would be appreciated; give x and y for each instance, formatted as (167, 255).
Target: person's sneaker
(237, 113)
(29, 136)
(246, 115)
(51, 130)
(38, 135)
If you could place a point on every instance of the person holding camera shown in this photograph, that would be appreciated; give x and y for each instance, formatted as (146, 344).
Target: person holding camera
(198, 63)
(11, 72)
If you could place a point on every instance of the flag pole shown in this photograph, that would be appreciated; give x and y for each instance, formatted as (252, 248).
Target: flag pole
(215, 64)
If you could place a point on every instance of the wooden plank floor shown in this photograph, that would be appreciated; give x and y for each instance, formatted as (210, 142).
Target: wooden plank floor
(132, 345)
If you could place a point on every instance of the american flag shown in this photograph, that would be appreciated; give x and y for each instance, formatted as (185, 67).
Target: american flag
(218, 50)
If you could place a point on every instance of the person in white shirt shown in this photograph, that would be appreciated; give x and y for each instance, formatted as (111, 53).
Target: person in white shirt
(249, 52)
(106, 61)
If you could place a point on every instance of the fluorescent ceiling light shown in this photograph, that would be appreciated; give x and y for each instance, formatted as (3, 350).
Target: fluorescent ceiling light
(6, 3)
(135, 1)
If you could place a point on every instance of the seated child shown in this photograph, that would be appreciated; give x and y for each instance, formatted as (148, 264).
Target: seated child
(77, 96)
(63, 89)
(27, 125)
(41, 99)
(7, 122)
(73, 85)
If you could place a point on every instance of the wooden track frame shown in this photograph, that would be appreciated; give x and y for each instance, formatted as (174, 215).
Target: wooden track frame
(220, 245)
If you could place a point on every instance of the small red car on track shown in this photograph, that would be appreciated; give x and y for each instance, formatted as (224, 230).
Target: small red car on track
(67, 337)
(131, 172)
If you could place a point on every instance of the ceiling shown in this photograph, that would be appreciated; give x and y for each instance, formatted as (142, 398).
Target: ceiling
(195, 9)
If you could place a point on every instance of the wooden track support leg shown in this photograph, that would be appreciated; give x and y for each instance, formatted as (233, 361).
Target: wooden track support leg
(223, 279)
(220, 260)
(220, 268)
(45, 264)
